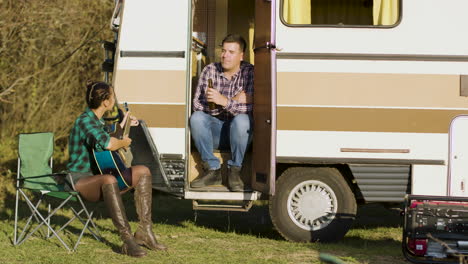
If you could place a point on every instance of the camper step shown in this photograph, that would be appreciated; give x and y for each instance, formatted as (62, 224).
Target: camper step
(224, 195)
(174, 169)
(244, 206)
(217, 188)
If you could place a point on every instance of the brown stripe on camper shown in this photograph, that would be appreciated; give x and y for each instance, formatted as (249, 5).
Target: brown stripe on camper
(365, 119)
(150, 86)
(160, 115)
(323, 118)
(370, 89)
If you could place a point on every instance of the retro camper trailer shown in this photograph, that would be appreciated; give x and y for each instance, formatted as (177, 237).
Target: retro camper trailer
(353, 100)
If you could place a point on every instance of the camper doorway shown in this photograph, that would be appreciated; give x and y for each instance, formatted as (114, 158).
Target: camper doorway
(211, 22)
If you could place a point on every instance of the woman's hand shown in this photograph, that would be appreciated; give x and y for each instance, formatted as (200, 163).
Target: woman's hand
(134, 121)
(126, 141)
(115, 143)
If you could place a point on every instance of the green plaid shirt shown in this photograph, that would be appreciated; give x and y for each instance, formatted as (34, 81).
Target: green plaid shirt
(88, 133)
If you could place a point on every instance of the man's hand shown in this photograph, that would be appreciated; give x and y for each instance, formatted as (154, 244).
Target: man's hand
(213, 95)
(243, 98)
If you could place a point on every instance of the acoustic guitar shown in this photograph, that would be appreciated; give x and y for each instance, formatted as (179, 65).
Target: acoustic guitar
(114, 162)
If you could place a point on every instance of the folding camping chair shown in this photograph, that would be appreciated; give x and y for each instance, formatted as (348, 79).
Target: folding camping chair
(35, 179)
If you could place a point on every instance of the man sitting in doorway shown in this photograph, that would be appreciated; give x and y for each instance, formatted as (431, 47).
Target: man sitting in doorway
(227, 123)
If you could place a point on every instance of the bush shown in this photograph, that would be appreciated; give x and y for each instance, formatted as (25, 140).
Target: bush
(48, 49)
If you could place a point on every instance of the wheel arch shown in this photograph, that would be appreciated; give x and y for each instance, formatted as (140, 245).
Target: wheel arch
(343, 169)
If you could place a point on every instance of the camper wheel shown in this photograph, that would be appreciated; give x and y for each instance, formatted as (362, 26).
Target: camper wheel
(312, 204)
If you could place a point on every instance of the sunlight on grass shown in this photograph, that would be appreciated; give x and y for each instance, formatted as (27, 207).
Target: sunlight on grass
(207, 240)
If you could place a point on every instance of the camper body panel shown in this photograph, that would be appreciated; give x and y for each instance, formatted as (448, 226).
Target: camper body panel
(151, 69)
(361, 94)
(428, 27)
(327, 108)
(362, 113)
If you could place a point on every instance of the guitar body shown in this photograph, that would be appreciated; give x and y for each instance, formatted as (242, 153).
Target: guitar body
(109, 162)
(116, 162)
(115, 130)
(126, 156)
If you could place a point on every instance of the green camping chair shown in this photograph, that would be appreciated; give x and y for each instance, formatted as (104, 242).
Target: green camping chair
(36, 180)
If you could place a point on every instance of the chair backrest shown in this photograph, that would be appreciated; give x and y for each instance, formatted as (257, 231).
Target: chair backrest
(35, 152)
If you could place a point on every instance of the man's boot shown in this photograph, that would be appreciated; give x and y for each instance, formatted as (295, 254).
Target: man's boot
(114, 204)
(143, 198)
(210, 177)
(234, 179)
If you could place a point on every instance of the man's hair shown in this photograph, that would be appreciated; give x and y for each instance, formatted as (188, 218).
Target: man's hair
(237, 39)
(96, 93)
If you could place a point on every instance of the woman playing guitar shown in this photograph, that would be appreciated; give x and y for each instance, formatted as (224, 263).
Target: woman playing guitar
(88, 134)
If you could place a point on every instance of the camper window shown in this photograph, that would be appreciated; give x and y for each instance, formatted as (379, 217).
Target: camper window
(375, 13)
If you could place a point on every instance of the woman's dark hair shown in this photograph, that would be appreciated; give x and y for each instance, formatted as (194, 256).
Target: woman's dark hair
(236, 39)
(96, 93)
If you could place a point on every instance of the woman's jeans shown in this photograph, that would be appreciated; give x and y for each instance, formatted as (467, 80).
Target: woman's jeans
(209, 133)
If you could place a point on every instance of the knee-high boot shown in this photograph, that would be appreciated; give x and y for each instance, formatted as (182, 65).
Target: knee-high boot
(114, 204)
(143, 199)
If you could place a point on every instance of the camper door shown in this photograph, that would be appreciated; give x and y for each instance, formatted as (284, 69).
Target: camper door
(151, 68)
(264, 142)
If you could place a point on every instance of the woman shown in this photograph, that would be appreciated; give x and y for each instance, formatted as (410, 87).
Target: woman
(88, 134)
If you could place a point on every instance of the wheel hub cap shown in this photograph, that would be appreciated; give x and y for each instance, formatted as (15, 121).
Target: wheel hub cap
(312, 205)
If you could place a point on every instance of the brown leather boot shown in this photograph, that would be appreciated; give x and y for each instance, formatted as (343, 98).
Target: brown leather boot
(143, 199)
(114, 204)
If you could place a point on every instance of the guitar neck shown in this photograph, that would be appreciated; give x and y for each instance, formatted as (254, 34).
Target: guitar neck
(122, 129)
(128, 122)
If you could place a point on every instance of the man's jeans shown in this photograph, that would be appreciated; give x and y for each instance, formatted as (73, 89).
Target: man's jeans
(210, 133)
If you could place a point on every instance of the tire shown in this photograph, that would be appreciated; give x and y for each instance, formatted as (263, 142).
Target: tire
(312, 204)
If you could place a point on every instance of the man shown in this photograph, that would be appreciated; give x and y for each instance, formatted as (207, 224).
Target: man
(227, 124)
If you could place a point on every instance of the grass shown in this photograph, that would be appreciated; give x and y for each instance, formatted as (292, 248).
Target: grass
(210, 237)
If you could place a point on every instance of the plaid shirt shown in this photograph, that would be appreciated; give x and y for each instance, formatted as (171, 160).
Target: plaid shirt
(241, 81)
(88, 133)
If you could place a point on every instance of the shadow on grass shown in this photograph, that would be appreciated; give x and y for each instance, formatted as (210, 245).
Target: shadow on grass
(376, 215)
(70, 234)
(256, 222)
(373, 238)
(173, 211)
(169, 210)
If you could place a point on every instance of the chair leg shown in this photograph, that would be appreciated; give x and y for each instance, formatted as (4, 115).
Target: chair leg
(48, 221)
(26, 233)
(15, 241)
(82, 232)
(75, 216)
(94, 230)
(44, 221)
(28, 222)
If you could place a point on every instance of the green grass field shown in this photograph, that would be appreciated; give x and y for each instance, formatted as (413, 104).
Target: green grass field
(210, 237)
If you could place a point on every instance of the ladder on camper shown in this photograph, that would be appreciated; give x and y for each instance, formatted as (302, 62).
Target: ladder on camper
(173, 167)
